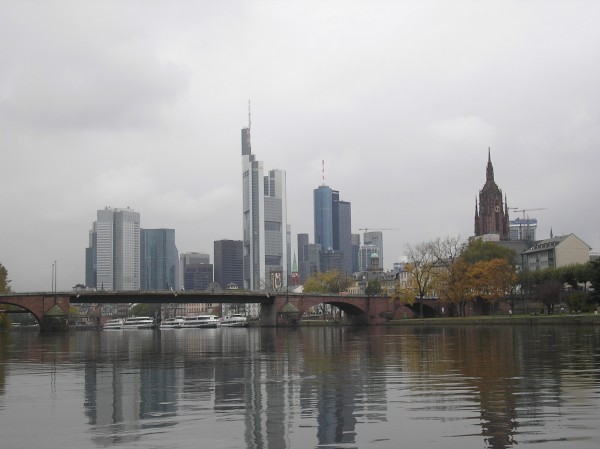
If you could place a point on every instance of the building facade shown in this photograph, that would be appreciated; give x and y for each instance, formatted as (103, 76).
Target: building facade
(333, 224)
(159, 260)
(264, 218)
(523, 229)
(113, 255)
(491, 214)
(197, 271)
(229, 263)
(556, 252)
(375, 238)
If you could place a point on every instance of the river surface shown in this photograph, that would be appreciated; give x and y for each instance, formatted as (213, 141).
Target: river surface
(316, 387)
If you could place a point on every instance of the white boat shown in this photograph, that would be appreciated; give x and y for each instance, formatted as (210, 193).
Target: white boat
(116, 323)
(200, 321)
(138, 322)
(234, 320)
(172, 323)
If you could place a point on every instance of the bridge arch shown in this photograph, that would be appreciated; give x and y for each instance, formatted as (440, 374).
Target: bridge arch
(51, 312)
(359, 310)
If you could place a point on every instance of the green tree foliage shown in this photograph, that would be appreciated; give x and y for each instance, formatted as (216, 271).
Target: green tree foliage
(373, 287)
(478, 269)
(549, 293)
(4, 281)
(4, 288)
(594, 279)
(141, 309)
(327, 282)
(476, 250)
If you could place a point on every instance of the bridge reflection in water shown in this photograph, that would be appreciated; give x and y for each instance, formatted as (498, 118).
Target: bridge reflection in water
(52, 309)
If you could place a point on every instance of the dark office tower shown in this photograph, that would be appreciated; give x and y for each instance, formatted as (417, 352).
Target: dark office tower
(343, 233)
(333, 224)
(323, 213)
(197, 271)
(303, 264)
(355, 248)
(229, 263)
(159, 259)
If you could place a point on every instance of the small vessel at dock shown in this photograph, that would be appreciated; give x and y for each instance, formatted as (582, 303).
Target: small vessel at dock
(200, 321)
(234, 320)
(172, 323)
(138, 322)
(116, 323)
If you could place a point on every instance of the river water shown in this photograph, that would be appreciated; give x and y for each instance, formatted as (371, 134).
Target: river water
(311, 387)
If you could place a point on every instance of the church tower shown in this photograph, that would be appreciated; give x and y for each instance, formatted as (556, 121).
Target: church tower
(491, 215)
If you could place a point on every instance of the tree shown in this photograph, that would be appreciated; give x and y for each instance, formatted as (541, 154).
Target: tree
(594, 278)
(549, 293)
(421, 268)
(455, 285)
(327, 282)
(477, 249)
(373, 287)
(4, 288)
(4, 281)
(492, 279)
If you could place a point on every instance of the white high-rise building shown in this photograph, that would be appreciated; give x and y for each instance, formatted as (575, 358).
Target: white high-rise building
(265, 224)
(113, 257)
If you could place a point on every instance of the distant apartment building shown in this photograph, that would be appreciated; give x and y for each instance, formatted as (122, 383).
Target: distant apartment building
(113, 254)
(556, 252)
(229, 263)
(159, 259)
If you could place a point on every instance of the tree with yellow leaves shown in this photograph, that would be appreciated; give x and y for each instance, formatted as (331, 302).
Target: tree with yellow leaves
(327, 282)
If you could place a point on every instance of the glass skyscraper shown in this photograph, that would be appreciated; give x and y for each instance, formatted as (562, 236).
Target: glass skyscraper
(333, 224)
(113, 257)
(159, 259)
(264, 218)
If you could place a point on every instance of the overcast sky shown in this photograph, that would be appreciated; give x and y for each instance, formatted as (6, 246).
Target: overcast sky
(140, 104)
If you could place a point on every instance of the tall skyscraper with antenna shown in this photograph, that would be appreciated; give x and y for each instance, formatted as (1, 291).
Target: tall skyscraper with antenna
(264, 218)
(332, 223)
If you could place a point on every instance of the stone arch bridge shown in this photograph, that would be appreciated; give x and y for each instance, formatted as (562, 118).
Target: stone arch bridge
(277, 308)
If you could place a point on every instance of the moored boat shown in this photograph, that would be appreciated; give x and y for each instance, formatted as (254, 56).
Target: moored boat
(138, 322)
(200, 321)
(172, 323)
(116, 323)
(234, 320)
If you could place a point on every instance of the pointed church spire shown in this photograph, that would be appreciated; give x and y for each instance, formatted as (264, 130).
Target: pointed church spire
(489, 174)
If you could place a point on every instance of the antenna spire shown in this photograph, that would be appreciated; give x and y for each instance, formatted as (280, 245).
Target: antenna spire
(323, 170)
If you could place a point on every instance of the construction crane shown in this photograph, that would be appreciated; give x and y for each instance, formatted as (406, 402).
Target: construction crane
(378, 229)
(516, 209)
(526, 221)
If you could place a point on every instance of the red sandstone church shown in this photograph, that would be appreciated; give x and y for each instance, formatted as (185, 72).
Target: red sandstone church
(491, 215)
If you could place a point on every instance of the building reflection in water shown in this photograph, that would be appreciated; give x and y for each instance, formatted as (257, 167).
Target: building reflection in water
(325, 383)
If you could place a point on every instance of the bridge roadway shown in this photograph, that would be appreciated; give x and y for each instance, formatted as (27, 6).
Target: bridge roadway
(277, 308)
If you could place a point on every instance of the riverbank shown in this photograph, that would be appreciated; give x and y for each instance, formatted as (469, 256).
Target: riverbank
(580, 319)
